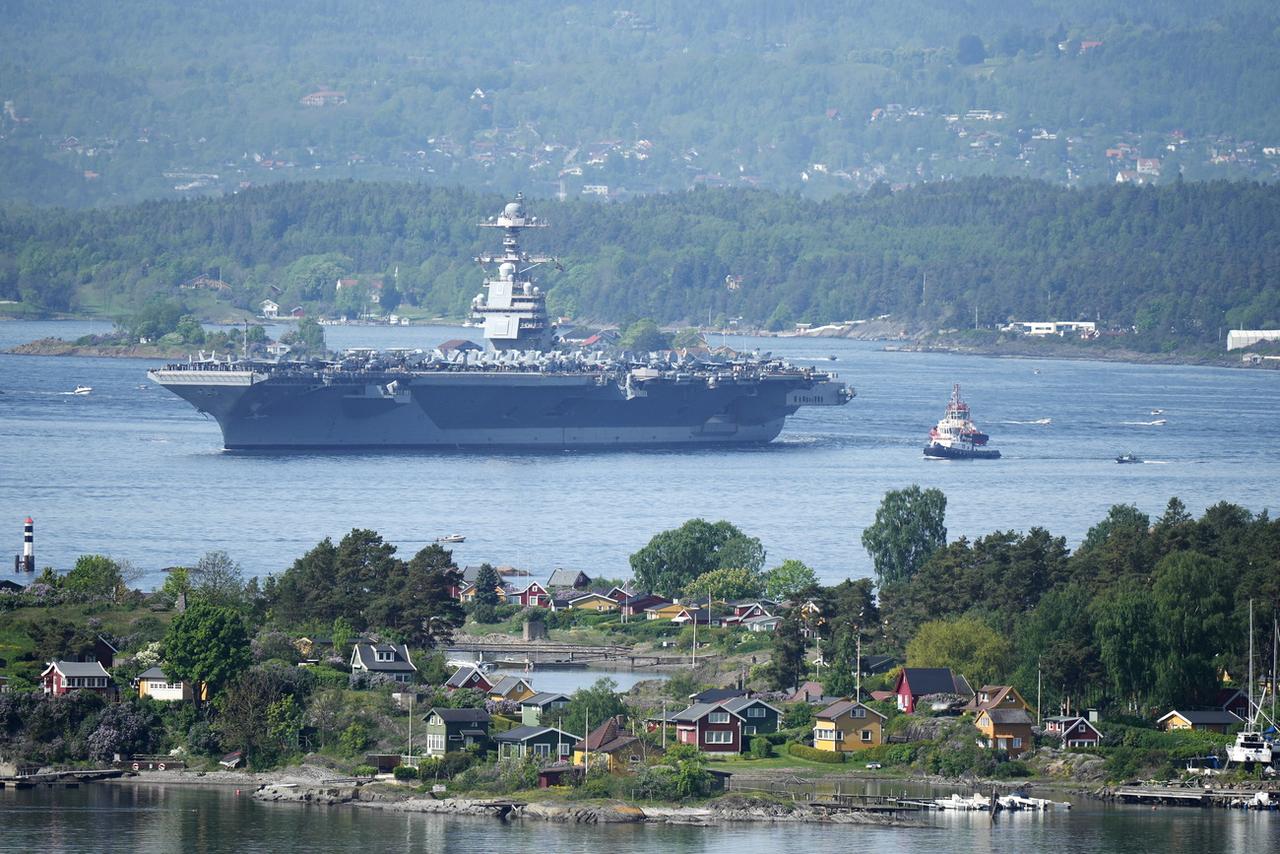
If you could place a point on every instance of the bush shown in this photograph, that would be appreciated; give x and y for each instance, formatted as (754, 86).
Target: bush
(798, 715)
(405, 772)
(353, 739)
(364, 771)
(813, 754)
(761, 748)
(1012, 769)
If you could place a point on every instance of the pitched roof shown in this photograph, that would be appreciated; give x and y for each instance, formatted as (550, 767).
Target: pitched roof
(1008, 716)
(698, 711)
(367, 653)
(934, 680)
(461, 675)
(737, 704)
(840, 707)
(1206, 717)
(606, 738)
(455, 716)
(566, 578)
(153, 673)
(78, 668)
(716, 695)
(507, 684)
(995, 696)
(544, 698)
(524, 733)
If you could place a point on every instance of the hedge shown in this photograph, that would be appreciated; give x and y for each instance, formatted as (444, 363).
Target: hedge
(813, 754)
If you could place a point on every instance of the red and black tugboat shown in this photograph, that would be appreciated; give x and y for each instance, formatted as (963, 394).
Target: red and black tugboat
(955, 437)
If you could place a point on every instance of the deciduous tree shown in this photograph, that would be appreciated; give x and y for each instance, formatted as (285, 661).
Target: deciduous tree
(908, 528)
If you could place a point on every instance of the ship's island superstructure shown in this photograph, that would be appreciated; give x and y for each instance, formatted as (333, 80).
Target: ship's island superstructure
(521, 392)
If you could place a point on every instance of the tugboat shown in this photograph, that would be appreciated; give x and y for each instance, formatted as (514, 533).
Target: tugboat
(955, 437)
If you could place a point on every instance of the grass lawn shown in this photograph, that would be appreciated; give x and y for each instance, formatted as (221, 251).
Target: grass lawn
(17, 646)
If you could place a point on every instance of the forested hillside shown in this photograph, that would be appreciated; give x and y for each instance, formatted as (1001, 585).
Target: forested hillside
(1178, 262)
(109, 103)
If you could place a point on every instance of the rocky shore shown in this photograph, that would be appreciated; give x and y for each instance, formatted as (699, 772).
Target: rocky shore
(722, 810)
(60, 347)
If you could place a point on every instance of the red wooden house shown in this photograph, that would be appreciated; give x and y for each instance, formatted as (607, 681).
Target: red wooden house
(63, 677)
(1073, 730)
(710, 727)
(532, 595)
(468, 677)
(916, 682)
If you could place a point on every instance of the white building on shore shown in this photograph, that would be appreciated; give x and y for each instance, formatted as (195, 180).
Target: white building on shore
(1238, 338)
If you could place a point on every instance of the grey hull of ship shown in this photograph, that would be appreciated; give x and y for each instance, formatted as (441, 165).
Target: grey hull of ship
(460, 411)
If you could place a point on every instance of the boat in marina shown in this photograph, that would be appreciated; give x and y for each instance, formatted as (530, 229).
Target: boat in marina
(1252, 747)
(956, 437)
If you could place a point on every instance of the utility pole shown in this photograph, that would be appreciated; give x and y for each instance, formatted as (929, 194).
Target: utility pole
(1039, 686)
(410, 729)
(857, 669)
(664, 725)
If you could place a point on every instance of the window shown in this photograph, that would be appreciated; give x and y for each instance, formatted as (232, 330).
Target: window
(564, 748)
(756, 712)
(435, 741)
(455, 737)
(1002, 743)
(717, 737)
(1017, 742)
(542, 750)
(748, 730)
(718, 718)
(385, 655)
(859, 712)
(828, 734)
(865, 735)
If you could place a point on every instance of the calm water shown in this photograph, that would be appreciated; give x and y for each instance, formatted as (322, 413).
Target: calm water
(175, 818)
(133, 471)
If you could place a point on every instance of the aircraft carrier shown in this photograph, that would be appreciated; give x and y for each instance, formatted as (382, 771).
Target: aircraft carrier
(525, 390)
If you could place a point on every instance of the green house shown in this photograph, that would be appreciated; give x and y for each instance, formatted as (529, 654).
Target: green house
(545, 705)
(540, 741)
(758, 717)
(451, 730)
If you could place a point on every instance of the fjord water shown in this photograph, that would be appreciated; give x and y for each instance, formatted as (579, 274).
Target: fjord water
(159, 818)
(132, 471)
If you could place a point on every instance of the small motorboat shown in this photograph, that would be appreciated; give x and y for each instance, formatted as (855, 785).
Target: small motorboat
(452, 538)
(1157, 412)
(1130, 457)
(82, 389)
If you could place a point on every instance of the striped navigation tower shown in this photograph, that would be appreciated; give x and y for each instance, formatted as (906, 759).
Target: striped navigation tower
(26, 562)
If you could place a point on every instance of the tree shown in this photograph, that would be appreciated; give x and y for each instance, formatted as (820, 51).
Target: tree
(787, 579)
(417, 603)
(908, 528)
(1192, 606)
(246, 720)
(218, 580)
(840, 680)
(967, 645)
(788, 654)
(96, 576)
(674, 558)
(177, 585)
(590, 706)
(207, 646)
(307, 339)
(970, 50)
(644, 336)
(486, 598)
(1124, 630)
(55, 638)
(724, 584)
(341, 633)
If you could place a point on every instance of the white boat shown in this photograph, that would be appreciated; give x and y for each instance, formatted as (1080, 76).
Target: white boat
(1251, 746)
(956, 803)
(955, 437)
(82, 389)
(482, 666)
(451, 538)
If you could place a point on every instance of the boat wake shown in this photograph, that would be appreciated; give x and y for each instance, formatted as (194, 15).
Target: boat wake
(1159, 422)
(1038, 421)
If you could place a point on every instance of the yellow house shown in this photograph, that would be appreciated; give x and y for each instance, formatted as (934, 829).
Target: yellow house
(848, 726)
(665, 612)
(511, 688)
(154, 684)
(597, 603)
(1006, 729)
(1211, 720)
(609, 746)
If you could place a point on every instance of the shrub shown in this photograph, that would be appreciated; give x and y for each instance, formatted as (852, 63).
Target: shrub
(405, 772)
(798, 715)
(364, 771)
(813, 754)
(761, 748)
(353, 739)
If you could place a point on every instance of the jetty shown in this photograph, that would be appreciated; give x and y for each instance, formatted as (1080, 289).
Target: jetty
(1265, 798)
(522, 653)
(60, 779)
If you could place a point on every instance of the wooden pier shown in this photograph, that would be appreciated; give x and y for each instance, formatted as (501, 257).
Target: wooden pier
(1195, 797)
(521, 653)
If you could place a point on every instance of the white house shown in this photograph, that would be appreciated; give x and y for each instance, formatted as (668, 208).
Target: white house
(1238, 338)
(269, 309)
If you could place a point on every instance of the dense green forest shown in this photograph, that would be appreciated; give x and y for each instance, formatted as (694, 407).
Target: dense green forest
(148, 98)
(1177, 262)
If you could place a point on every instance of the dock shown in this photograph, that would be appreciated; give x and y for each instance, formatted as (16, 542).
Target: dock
(60, 779)
(565, 655)
(1263, 799)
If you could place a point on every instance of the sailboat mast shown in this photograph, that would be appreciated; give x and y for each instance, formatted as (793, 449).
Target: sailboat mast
(1253, 714)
